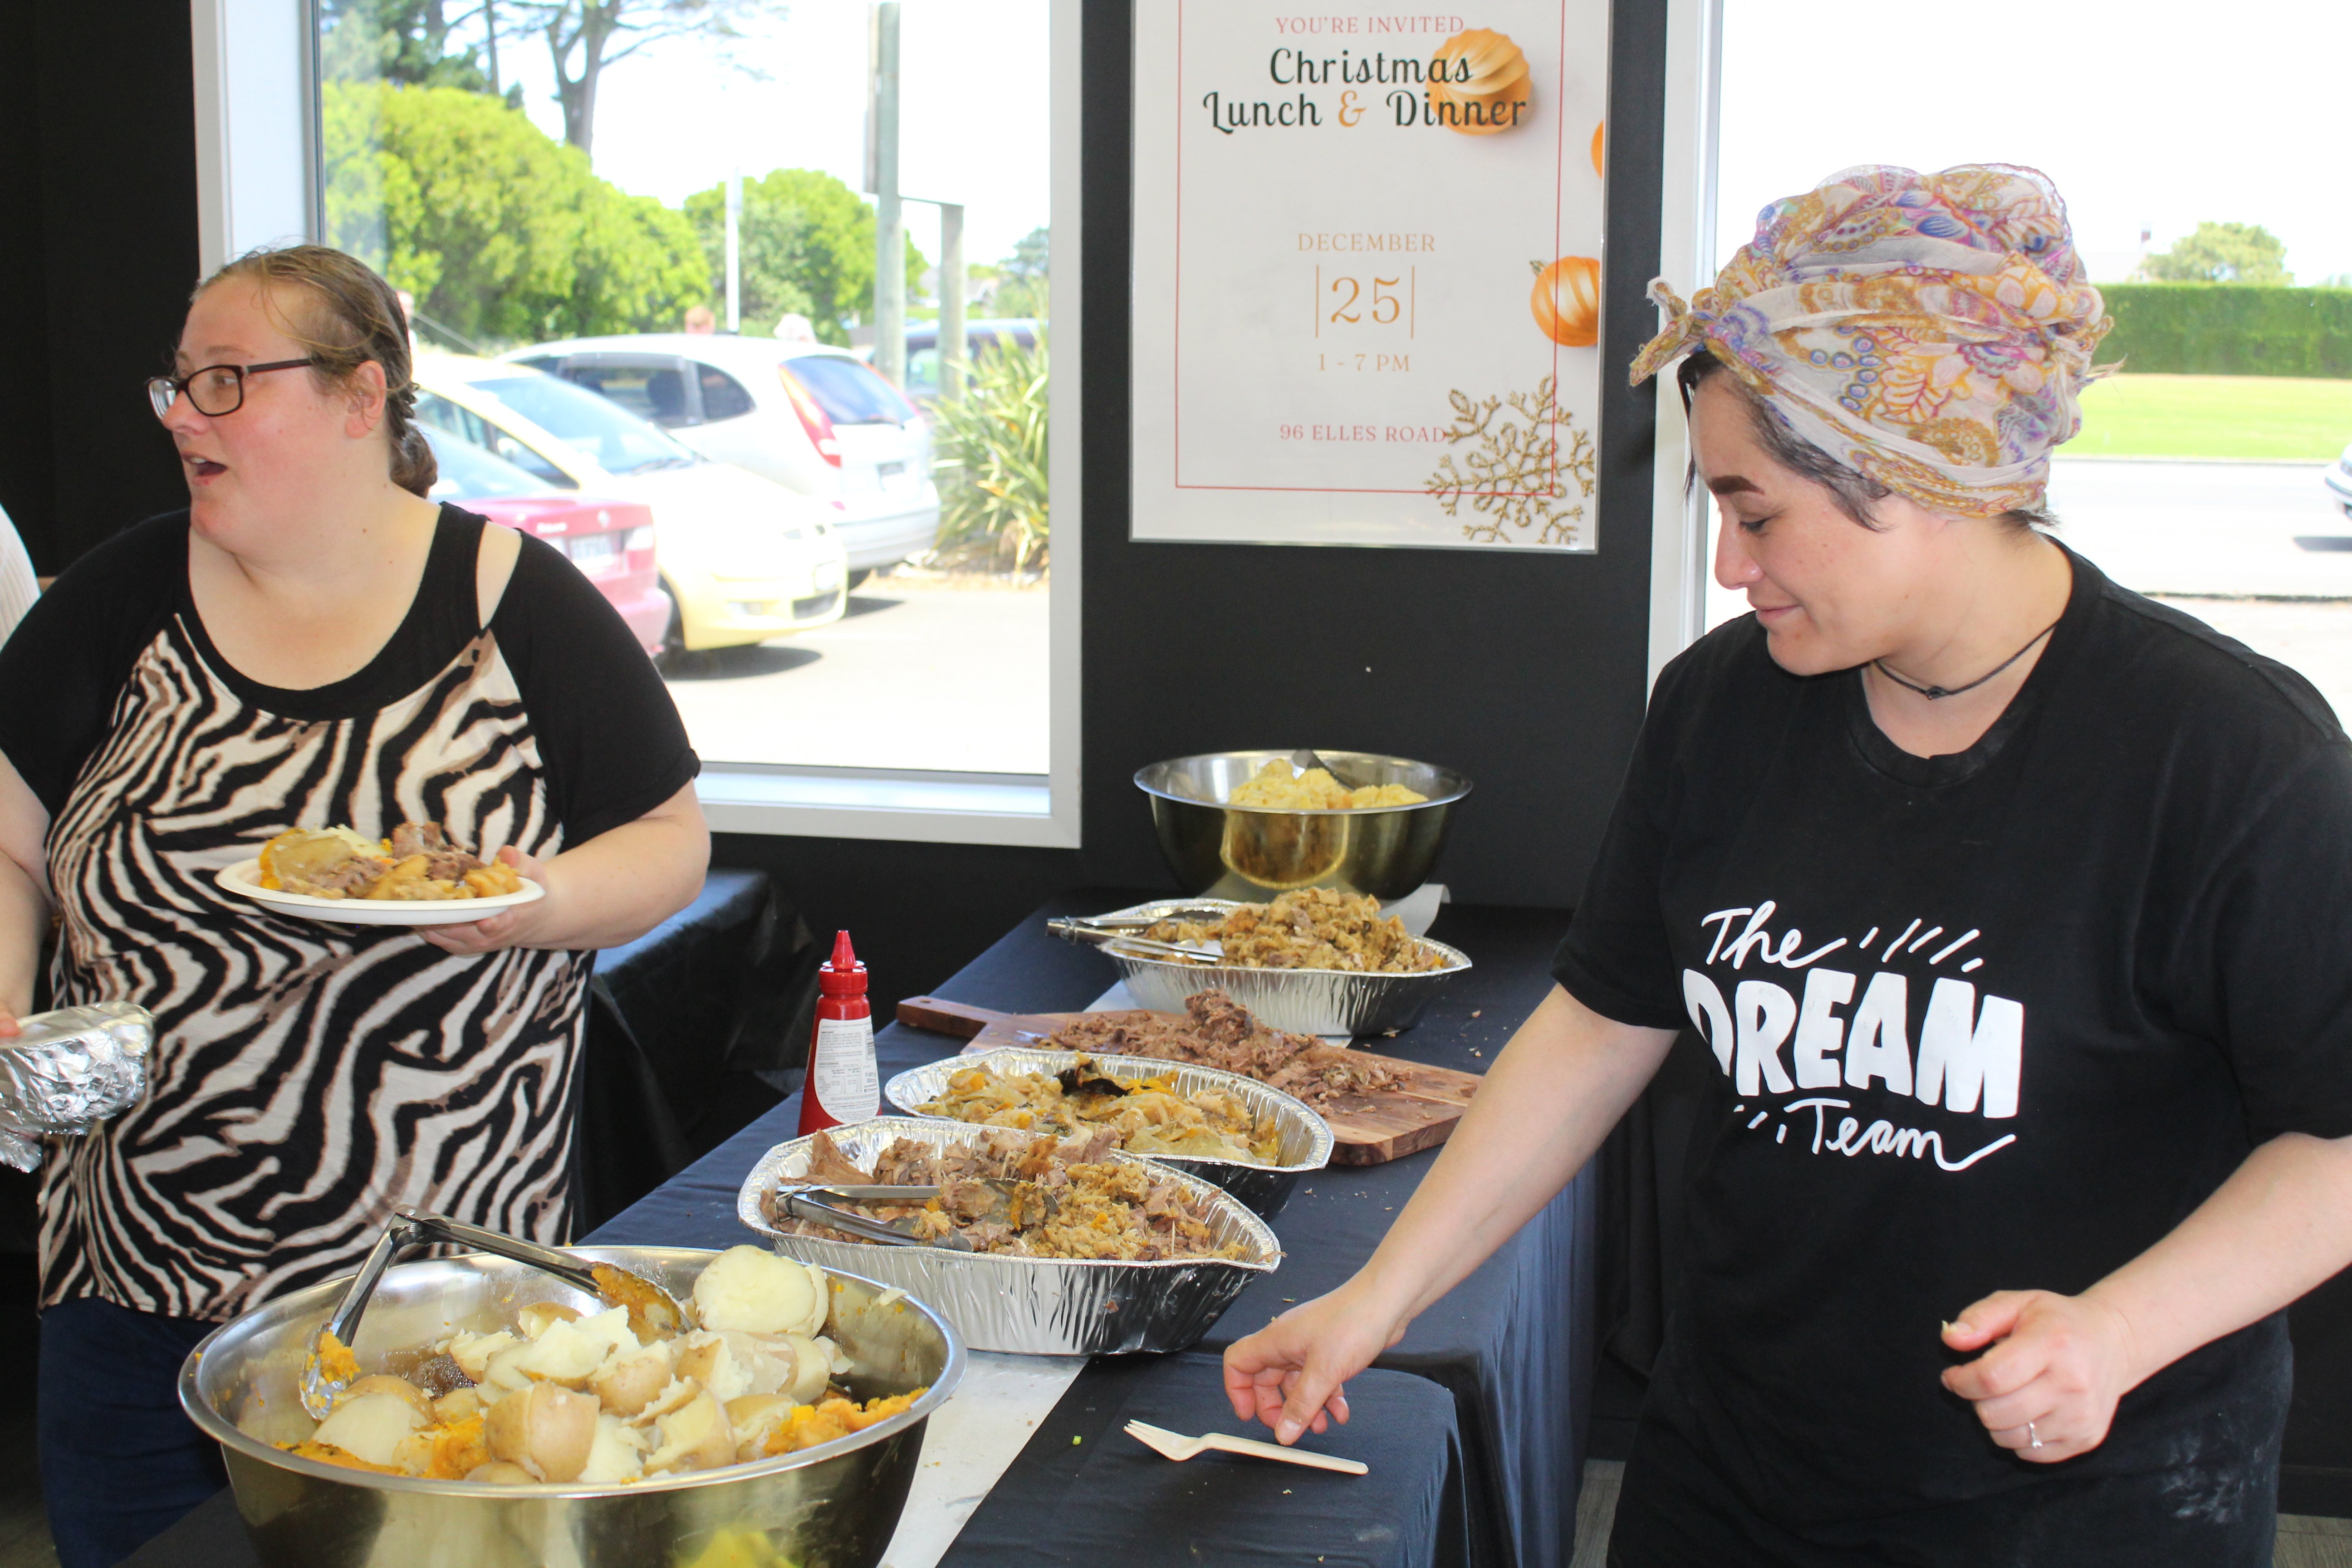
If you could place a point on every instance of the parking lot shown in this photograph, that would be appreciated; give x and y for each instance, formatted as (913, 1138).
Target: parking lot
(917, 675)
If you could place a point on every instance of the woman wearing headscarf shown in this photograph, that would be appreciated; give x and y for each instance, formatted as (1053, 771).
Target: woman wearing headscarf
(311, 643)
(2011, 907)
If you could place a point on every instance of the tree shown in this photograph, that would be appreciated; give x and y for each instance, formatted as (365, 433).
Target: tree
(597, 33)
(2222, 253)
(804, 244)
(405, 41)
(1020, 279)
(501, 232)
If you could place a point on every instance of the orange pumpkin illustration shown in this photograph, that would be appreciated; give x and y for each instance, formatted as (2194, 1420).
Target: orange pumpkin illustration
(1596, 147)
(1567, 301)
(1478, 82)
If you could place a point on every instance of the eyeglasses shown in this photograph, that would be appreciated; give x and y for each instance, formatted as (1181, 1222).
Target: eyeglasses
(215, 390)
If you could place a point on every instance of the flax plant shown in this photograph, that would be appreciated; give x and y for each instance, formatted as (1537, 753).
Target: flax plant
(992, 466)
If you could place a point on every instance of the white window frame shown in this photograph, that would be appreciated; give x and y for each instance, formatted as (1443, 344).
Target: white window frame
(257, 162)
(1679, 529)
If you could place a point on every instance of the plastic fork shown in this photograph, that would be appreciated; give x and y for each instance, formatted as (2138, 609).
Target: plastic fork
(1176, 1446)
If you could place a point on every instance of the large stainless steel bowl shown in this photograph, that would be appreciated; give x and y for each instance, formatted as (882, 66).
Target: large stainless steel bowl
(834, 1506)
(1229, 852)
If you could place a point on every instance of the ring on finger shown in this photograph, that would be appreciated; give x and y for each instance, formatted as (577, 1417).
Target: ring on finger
(2032, 1438)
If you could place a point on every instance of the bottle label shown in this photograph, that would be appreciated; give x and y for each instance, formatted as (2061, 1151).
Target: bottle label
(843, 1076)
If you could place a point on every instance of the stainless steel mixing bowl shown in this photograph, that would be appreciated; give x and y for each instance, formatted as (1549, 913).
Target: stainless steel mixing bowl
(834, 1506)
(1229, 852)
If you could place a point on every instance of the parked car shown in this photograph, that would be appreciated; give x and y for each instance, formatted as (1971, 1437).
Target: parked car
(743, 559)
(2339, 482)
(801, 414)
(612, 541)
(923, 349)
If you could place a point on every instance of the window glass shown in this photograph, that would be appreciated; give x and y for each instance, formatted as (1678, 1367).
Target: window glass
(654, 391)
(618, 440)
(2212, 472)
(848, 392)
(470, 473)
(723, 396)
(556, 198)
(437, 411)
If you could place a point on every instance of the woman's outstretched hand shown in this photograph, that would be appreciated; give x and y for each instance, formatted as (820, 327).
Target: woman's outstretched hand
(507, 928)
(2056, 1367)
(1292, 1374)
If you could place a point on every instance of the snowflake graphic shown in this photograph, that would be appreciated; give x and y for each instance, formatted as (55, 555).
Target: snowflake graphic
(1516, 475)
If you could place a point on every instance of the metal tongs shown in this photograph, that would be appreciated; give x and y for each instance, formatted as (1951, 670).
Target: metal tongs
(809, 1204)
(1120, 932)
(653, 1313)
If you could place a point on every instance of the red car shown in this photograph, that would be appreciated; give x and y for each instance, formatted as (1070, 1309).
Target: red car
(612, 541)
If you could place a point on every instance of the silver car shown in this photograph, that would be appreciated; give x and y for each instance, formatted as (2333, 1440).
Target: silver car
(2339, 482)
(806, 416)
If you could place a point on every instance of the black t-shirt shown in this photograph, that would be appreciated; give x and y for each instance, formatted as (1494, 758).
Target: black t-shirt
(1993, 1020)
(607, 734)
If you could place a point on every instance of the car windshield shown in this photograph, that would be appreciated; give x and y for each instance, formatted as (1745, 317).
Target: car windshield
(619, 441)
(468, 473)
(848, 392)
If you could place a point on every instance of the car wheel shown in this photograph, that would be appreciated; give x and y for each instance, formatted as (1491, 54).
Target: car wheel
(672, 648)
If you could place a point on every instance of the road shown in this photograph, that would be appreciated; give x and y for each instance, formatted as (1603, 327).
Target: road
(915, 675)
(2206, 529)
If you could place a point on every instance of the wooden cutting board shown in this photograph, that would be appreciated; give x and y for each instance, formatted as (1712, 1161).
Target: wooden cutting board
(1366, 1129)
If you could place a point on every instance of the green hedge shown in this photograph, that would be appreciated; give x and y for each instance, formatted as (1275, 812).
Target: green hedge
(2229, 329)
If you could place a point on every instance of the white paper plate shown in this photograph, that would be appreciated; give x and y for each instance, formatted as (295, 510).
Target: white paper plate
(244, 879)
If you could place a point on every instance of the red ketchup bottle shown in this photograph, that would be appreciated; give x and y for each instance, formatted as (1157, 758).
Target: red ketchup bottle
(842, 1084)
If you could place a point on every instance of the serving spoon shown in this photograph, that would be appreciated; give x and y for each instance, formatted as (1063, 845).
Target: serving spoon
(652, 1312)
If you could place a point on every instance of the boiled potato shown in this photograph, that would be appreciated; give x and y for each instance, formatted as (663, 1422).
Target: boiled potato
(546, 1428)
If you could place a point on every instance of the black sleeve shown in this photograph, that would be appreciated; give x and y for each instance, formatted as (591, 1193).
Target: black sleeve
(1617, 959)
(2262, 963)
(65, 664)
(608, 733)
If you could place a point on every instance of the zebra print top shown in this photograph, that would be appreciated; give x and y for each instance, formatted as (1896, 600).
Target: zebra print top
(308, 1076)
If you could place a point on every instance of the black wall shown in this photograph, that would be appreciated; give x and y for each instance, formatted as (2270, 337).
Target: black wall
(98, 252)
(1527, 672)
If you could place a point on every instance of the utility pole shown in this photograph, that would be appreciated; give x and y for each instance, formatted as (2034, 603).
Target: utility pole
(882, 179)
(951, 334)
(490, 37)
(734, 252)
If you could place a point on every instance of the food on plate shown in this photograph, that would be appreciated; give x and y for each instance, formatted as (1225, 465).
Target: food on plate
(559, 1396)
(1023, 1196)
(416, 862)
(1275, 787)
(1218, 1032)
(1312, 928)
(1151, 1115)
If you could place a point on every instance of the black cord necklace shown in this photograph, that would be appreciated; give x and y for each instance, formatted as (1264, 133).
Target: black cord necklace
(1936, 693)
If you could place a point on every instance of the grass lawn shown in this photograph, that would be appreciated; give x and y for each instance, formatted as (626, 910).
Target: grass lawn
(2273, 416)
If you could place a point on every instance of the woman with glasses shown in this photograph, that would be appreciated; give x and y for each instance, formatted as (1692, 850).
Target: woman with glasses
(311, 643)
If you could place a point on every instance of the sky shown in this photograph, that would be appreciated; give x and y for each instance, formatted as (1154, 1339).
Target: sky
(679, 116)
(2144, 111)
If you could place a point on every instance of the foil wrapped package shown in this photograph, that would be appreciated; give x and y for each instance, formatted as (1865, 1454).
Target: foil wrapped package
(68, 1070)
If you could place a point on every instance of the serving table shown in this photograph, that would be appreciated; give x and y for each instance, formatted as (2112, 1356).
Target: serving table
(1473, 1424)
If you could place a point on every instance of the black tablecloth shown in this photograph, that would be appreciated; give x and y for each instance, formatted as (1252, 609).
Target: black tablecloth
(1512, 1344)
(1083, 1492)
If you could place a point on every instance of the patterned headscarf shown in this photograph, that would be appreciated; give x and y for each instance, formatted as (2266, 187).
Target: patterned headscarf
(1930, 331)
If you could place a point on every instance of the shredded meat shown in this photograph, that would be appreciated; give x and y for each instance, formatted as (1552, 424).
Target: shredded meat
(1218, 1032)
(1025, 1197)
(1313, 927)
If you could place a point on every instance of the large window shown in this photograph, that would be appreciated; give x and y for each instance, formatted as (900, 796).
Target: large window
(650, 250)
(2201, 473)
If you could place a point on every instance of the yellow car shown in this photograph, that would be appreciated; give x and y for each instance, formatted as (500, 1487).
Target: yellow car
(742, 558)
